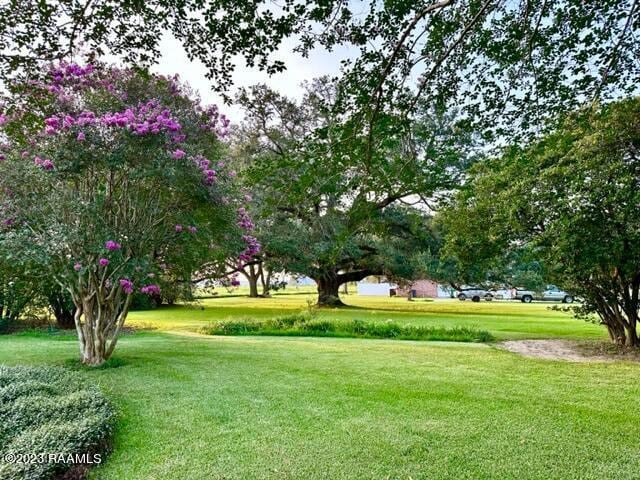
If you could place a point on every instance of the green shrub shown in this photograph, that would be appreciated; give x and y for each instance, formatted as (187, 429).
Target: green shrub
(306, 323)
(143, 302)
(49, 411)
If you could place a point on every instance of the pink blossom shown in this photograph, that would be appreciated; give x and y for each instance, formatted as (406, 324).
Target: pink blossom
(192, 229)
(178, 154)
(81, 137)
(111, 245)
(127, 285)
(77, 267)
(178, 228)
(150, 290)
(248, 198)
(52, 122)
(3, 119)
(103, 262)
(48, 165)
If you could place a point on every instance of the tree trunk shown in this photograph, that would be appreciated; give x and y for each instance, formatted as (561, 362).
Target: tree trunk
(98, 323)
(252, 277)
(63, 310)
(632, 335)
(328, 290)
(266, 282)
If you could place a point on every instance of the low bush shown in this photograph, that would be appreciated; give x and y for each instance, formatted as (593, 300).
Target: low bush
(47, 411)
(307, 324)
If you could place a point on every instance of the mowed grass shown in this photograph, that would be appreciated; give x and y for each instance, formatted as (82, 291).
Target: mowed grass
(505, 320)
(201, 407)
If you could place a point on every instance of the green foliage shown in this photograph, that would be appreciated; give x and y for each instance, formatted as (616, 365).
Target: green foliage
(48, 410)
(571, 199)
(307, 324)
(512, 65)
(328, 210)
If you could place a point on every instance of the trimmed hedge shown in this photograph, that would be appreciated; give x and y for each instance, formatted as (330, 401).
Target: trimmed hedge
(305, 324)
(49, 410)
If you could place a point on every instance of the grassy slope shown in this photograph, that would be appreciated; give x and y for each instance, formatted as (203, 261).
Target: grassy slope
(194, 407)
(502, 319)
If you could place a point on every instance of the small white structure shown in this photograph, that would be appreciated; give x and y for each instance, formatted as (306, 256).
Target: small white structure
(374, 289)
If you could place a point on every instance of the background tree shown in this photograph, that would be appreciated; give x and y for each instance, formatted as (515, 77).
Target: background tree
(573, 197)
(108, 184)
(334, 214)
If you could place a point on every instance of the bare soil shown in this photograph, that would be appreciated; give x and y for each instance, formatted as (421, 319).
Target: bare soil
(555, 350)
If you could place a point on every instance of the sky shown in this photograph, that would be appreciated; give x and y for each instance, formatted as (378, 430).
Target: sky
(320, 62)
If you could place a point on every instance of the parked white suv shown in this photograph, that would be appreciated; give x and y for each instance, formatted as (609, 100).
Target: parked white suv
(474, 294)
(551, 294)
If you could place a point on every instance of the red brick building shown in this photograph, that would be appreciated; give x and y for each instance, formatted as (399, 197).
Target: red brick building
(423, 288)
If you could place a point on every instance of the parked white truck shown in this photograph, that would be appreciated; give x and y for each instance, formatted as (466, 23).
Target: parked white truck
(551, 294)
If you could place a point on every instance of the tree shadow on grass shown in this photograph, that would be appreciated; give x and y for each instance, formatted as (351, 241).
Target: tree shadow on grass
(76, 364)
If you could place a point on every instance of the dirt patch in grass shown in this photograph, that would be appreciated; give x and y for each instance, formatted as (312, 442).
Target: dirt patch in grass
(555, 350)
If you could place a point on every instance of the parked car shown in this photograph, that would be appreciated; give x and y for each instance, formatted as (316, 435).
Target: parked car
(475, 294)
(551, 294)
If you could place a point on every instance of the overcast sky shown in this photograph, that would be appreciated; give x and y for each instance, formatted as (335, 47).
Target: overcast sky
(320, 62)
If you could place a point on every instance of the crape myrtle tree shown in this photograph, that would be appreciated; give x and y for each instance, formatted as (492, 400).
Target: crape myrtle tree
(334, 214)
(571, 197)
(110, 180)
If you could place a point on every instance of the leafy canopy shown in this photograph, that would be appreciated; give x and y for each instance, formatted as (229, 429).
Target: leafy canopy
(572, 198)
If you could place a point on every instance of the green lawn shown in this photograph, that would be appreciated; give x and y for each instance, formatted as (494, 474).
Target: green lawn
(505, 320)
(194, 407)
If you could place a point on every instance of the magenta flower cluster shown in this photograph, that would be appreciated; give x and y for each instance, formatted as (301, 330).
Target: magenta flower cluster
(145, 119)
(103, 262)
(179, 228)
(217, 123)
(252, 246)
(150, 289)
(43, 163)
(244, 221)
(68, 73)
(65, 70)
(127, 285)
(111, 245)
(210, 175)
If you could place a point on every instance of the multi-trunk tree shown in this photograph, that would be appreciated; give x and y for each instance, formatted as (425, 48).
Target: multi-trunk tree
(572, 197)
(110, 181)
